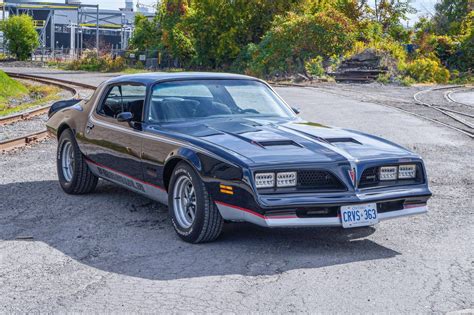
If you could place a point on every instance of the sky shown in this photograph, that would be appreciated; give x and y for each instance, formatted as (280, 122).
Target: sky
(424, 7)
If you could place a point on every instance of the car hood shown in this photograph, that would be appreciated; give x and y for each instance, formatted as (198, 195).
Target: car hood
(270, 141)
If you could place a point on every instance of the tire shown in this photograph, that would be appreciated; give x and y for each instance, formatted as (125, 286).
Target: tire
(77, 179)
(206, 226)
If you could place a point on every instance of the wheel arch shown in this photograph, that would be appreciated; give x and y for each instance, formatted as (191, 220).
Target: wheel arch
(62, 128)
(174, 158)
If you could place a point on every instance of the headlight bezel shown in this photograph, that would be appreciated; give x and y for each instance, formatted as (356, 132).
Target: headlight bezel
(412, 168)
(270, 179)
(290, 176)
(387, 173)
(276, 179)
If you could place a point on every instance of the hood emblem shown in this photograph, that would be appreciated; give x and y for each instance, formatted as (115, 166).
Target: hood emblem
(352, 175)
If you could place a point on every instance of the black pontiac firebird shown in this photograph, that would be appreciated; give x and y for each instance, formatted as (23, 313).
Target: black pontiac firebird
(224, 147)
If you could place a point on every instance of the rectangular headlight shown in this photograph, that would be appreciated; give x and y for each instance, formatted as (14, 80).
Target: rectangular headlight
(407, 171)
(388, 173)
(286, 179)
(265, 180)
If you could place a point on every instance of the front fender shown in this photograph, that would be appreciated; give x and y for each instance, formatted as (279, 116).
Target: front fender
(211, 169)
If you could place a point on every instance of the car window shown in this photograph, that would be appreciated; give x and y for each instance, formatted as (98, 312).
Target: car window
(197, 99)
(123, 98)
(196, 90)
(252, 97)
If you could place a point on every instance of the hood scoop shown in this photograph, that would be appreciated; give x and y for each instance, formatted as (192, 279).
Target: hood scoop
(274, 143)
(342, 140)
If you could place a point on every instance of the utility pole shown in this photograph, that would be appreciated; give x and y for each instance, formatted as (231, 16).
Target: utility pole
(97, 32)
(53, 33)
(3, 21)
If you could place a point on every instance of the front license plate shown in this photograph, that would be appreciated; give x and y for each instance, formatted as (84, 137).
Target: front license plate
(359, 215)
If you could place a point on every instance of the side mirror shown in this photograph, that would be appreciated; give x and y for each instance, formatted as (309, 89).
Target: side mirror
(125, 116)
(295, 110)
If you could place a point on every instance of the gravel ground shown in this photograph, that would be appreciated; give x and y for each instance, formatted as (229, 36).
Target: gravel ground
(115, 251)
(22, 128)
(465, 97)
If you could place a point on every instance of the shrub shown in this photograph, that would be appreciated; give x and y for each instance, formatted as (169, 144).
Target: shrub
(295, 39)
(427, 70)
(383, 78)
(112, 64)
(406, 81)
(20, 33)
(465, 54)
(314, 67)
(90, 62)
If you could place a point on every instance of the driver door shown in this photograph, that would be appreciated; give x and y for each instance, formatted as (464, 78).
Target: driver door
(116, 145)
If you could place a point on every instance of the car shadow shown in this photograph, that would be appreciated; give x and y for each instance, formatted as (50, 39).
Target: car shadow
(121, 232)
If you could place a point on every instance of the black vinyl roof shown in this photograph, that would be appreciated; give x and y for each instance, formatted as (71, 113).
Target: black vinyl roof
(148, 78)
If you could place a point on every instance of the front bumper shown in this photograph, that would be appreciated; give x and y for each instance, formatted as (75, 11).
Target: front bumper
(292, 217)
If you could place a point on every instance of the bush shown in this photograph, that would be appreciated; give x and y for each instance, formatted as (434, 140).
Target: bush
(21, 36)
(465, 54)
(295, 39)
(406, 81)
(90, 62)
(383, 78)
(314, 67)
(427, 70)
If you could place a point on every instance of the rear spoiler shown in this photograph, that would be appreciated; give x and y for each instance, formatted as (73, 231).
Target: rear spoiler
(62, 104)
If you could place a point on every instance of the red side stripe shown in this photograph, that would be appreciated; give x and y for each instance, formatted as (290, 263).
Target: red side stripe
(123, 174)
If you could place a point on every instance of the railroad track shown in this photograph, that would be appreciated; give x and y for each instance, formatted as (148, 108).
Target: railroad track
(458, 119)
(13, 143)
(449, 97)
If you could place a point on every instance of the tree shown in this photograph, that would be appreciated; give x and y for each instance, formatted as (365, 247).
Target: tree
(176, 38)
(222, 28)
(295, 39)
(146, 35)
(449, 16)
(390, 13)
(21, 36)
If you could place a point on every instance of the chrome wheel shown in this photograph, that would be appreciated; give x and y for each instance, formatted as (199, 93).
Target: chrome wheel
(67, 161)
(184, 201)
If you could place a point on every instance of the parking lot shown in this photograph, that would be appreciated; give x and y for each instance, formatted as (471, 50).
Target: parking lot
(115, 251)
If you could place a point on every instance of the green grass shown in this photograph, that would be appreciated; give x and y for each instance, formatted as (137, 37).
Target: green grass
(11, 89)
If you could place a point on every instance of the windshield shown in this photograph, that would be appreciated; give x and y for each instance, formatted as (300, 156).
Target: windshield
(197, 99)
